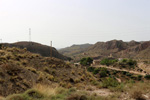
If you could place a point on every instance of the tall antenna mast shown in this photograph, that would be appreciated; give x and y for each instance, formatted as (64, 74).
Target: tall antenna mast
(51, 49)
(1, 41)
(29, 34)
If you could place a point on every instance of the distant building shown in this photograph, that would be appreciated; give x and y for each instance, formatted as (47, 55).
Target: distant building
(120, 59)
(76, 64)
(84, 53)
(110, 56)
(96, 62)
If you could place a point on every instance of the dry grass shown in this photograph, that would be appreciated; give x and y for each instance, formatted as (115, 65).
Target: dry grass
(138, 95)
(143, 87)
(46, 89)
(1, 98)
(137, 90)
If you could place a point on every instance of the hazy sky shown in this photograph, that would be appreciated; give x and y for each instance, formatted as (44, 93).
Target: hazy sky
(68, 22)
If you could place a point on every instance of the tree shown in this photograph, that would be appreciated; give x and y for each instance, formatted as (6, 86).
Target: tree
(86, 61)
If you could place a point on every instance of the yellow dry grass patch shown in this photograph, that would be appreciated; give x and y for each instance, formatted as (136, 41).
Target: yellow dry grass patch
(46, 89)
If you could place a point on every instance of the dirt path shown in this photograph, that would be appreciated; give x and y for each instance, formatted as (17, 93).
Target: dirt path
(99, 92)
(145, 67)
(117, 69)
(1, 98)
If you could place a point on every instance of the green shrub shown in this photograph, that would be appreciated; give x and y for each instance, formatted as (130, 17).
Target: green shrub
(114, 72)
(147, 77)
(108, 61)
(94, 82)
(132, 62)
(134, 77)
(103, 72)
(124, 60)
(128, 74)
(139, 77)
(15, 97)
(119, 88)
(128, 63)
(131, 81)
(109, 82)
(90, 69)
(124, 72)
(86, 61)
(96, 71)
(34, 94)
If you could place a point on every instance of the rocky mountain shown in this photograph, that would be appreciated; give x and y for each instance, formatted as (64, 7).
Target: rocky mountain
(74, 49)
(138, 51)
(115, 48)
(111, 47)
(33, 47)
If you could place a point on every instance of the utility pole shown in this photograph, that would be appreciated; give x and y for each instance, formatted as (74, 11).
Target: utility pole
(1, 46)
(1, 41)
(51, 49)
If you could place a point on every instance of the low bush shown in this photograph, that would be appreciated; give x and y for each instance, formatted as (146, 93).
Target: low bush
(103, 72)
(109, 82)
(86, 61)
(15, 97)
(90, 69)
(108, 61)
(94, 82)
(118, 88)
(96, 70)
(147, 77)
(140, 77)
(32, 93)
(124, 72)
(128, 63)
(128, 74)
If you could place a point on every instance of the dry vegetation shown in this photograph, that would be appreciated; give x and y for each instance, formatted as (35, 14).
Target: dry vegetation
(28, 76)
(132, 91)
(118, 49)
(37, 48)
(20, 70)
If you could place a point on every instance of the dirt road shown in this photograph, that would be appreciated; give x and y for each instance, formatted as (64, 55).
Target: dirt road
(117, 69)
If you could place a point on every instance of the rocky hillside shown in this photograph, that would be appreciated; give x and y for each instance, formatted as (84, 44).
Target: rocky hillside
(21, 69)
(111, 47)
(74, 49)
(38, 48)
(138, 51)
(116, 48)
(121, 49)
